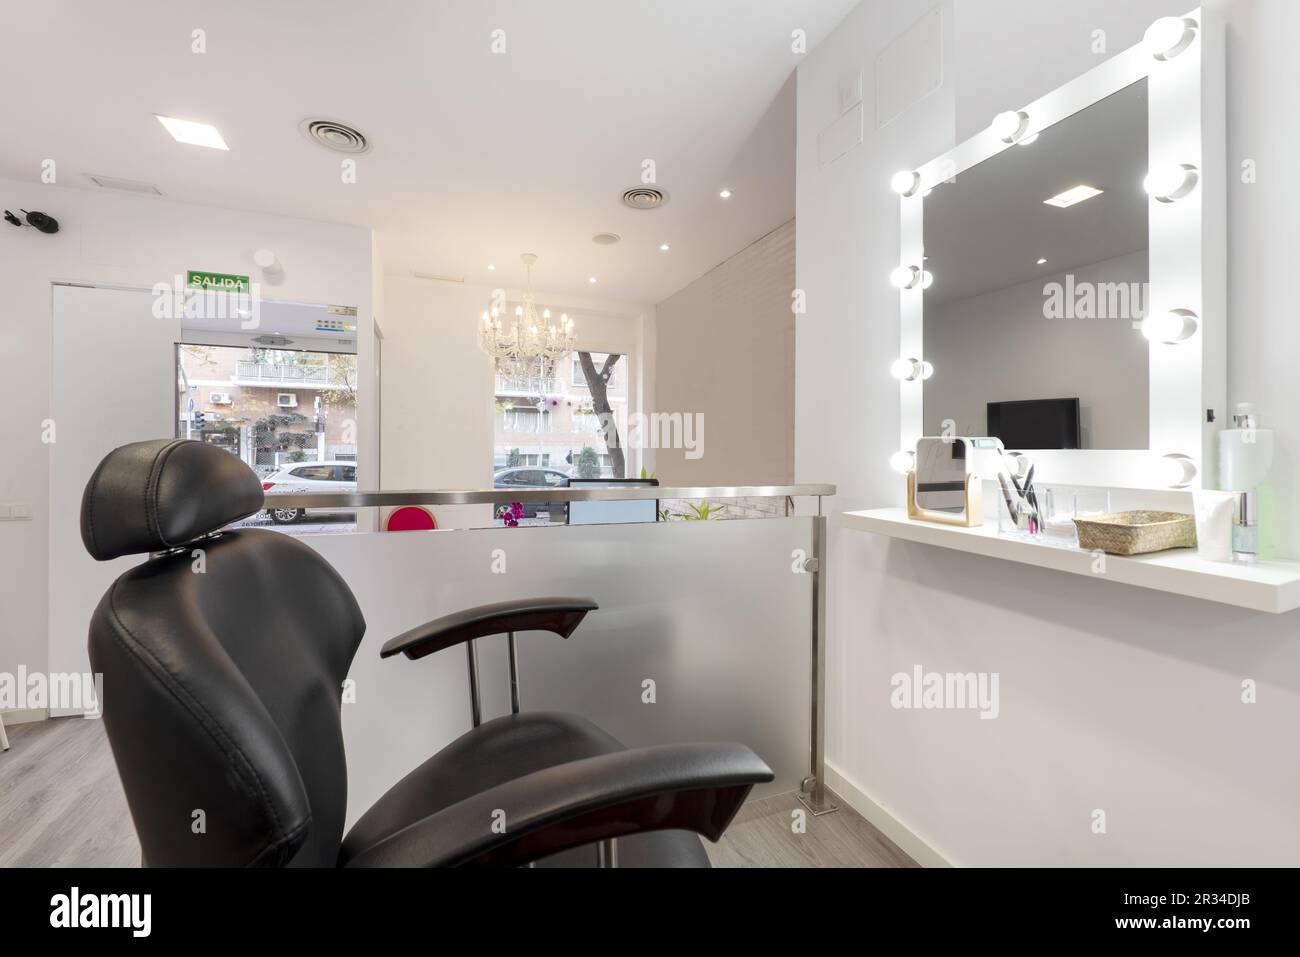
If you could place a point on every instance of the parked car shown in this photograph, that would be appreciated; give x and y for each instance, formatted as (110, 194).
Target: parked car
(525, 476)
(305, 477)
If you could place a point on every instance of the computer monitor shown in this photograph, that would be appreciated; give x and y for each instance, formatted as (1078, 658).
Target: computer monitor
(613, 513)
(1036, 423)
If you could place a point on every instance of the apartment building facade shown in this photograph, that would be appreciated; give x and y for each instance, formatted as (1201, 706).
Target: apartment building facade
(268, 407)
(547, 422)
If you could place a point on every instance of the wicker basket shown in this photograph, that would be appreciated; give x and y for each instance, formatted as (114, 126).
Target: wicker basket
(1134, 533)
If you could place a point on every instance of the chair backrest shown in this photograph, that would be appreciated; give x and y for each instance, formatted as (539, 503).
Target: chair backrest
(223, 663)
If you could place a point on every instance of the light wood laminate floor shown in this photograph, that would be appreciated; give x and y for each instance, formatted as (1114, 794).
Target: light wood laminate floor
(61, 804)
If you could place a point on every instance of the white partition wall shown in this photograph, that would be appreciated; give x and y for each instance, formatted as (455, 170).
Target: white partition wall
(711, 612)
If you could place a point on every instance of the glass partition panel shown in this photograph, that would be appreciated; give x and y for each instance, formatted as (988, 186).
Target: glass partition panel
(704, 633)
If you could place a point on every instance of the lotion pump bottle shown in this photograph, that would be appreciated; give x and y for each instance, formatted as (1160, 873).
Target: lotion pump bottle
(1245, 451)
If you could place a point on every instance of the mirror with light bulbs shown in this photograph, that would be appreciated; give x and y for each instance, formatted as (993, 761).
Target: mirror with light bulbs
(1062, 273)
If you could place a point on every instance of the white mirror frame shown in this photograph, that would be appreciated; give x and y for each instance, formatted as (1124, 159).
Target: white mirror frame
(1187, 256)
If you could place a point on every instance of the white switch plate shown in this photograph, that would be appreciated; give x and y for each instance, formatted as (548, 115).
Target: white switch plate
(20, 512)
(851, 93)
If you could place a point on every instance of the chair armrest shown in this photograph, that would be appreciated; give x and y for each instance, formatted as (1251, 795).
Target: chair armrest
(693, 787)
(560, 615)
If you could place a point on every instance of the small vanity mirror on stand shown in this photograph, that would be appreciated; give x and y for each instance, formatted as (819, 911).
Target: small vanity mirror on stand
(942, 487)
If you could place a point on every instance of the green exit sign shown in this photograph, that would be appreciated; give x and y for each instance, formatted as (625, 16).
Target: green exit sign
(215, 281)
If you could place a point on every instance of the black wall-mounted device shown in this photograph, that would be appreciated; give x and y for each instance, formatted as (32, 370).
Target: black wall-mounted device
(36, 219)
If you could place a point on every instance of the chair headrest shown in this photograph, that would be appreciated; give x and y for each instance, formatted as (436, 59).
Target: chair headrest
(151, 496)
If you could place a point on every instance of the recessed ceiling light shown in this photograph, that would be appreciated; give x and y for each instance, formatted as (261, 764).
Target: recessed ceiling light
(725, 194)
(664, 247)
(1073, 195)
(491, 268)
(1042, 262)
(196, 134)
(591, 279)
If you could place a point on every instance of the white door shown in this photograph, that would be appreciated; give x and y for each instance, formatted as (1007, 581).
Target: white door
(113, 381)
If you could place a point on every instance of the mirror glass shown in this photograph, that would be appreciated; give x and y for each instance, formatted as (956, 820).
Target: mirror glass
(1038, 268)
(941, 475)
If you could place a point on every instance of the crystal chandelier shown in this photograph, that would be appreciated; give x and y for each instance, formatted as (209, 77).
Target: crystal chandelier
(530, 346)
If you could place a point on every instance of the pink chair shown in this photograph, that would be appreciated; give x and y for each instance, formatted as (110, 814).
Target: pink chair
(410, 518)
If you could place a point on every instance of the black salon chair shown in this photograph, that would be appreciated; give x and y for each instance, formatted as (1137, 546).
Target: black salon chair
(224, 657)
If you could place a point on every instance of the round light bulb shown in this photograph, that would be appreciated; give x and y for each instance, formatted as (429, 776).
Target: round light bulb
(1169, 183)
(1175, 470)
(519, 312)
(901, 462)
(1171, 327)
(904, 182)
(905, 370)
(1011, 125)
(1168, 37)
(904, 277)
(1017, 465)
(546, 313)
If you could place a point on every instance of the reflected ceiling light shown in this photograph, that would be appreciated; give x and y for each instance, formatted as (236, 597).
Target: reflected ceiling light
(1011, 125)
(491, 268)
(905, 277)
(664, 247)
(591, 279)
(909, 370)
(1073, 196)
(1041, 261)
(196, 134)
(724, 193)
(1169, 36)
(1169, 183)
(905, 182)
(902, 462)
(1171, 327)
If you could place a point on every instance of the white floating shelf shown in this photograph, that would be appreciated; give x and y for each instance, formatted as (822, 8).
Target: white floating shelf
(1270, 586)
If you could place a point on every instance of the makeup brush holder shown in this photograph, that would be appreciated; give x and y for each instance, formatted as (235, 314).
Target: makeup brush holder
(1052, 523)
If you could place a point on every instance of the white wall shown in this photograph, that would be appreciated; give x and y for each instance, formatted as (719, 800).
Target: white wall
(133, 241)
(981, 343)
(726, 352)
(1111, 697)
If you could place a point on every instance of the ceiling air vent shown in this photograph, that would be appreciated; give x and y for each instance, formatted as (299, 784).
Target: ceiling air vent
(272, 340)
(335, 136)
(130, 185)
(605, 239)
(644, 197)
